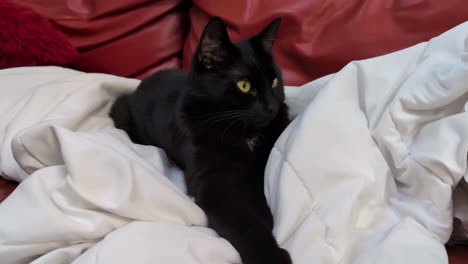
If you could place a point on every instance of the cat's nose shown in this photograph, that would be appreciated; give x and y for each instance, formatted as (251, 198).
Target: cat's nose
(272, 109)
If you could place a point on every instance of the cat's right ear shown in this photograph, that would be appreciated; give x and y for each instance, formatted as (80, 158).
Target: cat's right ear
(214, 43)
(266, 38)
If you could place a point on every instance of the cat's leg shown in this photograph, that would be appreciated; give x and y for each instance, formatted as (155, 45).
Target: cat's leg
(231, 215)
(259, 203)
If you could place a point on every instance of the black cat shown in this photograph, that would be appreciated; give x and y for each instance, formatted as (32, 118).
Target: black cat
(219, 122)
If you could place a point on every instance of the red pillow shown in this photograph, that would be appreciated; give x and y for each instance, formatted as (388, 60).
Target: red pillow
(27, 39)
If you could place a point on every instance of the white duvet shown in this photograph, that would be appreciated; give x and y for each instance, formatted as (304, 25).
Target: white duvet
(365, 173)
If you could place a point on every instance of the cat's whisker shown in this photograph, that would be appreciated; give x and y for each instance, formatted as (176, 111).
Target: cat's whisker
(212, 121)
(224, 112)
(229, 126)
(219, 114)
(220, 118)
(216, 114)
(222, 122)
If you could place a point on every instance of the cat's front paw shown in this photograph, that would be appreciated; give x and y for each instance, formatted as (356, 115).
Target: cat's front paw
(271, 256)
(283, 257)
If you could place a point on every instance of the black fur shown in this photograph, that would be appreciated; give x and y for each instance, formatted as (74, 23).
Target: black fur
(220, 136)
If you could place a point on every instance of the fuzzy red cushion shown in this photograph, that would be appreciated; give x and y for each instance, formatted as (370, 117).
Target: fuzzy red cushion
(27, 39)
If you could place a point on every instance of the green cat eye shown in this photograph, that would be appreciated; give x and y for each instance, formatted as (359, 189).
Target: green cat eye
(244, 86)
(275, 83)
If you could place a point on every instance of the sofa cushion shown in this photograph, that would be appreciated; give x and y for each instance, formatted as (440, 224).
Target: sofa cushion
(319, 37)
(130, 38)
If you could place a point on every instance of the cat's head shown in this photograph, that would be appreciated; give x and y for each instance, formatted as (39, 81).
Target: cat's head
(239, 81)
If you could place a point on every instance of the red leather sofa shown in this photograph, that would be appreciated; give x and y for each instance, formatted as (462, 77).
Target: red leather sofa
(135, 38)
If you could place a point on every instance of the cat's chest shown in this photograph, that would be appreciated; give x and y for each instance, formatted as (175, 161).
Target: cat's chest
(252, 143)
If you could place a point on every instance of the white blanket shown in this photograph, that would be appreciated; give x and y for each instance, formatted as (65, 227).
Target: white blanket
(364, 174)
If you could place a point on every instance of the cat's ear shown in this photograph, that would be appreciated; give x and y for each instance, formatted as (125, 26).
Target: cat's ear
(266, 38)
(214, 43)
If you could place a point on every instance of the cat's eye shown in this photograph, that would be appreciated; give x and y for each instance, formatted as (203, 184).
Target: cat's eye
(244, 86)
(275, 83)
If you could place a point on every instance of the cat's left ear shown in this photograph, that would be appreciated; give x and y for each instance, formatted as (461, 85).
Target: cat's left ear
(214, 44)
(266, 38)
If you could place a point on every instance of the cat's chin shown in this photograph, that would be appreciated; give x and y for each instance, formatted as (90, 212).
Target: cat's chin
(262, 124)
